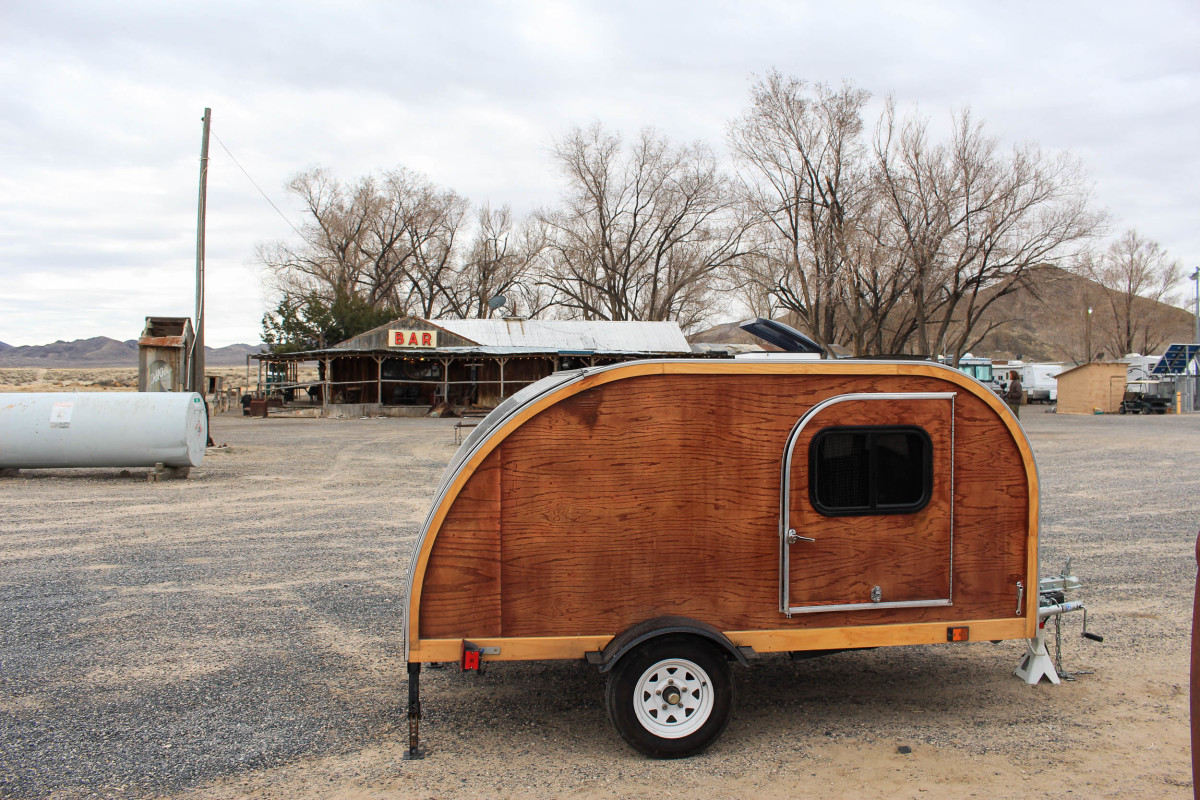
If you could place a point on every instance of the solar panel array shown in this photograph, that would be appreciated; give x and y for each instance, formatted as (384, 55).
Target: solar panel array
(1175, 361)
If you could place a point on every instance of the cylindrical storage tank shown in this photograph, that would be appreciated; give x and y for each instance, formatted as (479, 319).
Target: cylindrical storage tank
(102, 429)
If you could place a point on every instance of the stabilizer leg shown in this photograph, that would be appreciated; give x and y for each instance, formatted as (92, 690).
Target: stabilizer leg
(414, 751)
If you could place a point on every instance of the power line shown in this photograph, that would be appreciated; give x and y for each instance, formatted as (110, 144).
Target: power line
(256, 186)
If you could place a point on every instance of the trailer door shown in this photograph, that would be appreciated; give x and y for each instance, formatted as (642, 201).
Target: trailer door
(866, 504)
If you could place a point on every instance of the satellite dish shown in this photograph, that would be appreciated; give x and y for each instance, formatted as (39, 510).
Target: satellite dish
(496, 302)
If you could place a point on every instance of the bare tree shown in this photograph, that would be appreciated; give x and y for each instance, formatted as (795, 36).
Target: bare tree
(645, 233)
(331, 256)
(420, 226)
(388, 239)
(806, 183)
(880, 317)
(1135, 270)
(501, 261)
(972, 222)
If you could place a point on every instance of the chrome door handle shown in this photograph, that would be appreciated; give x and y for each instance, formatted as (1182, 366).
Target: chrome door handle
(793, 537)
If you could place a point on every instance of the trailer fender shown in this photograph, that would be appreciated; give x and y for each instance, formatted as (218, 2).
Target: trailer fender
(634, 635)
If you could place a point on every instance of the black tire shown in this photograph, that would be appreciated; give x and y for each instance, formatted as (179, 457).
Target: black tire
(705, 687)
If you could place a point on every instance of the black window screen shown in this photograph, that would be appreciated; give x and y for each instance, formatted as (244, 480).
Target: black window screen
(880, 470)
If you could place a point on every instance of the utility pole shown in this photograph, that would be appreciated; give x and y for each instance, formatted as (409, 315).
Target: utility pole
(197, 382)
(1196, 277)
(1087, 336)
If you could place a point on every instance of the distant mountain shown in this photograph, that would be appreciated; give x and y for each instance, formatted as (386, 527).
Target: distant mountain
(233, 355)
(4, 346)
(101, 351)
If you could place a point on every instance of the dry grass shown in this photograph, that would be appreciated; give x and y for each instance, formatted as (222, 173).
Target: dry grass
(110, 379)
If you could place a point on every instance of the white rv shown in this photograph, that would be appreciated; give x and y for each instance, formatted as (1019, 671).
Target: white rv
(1139, 367)
(1040, 381)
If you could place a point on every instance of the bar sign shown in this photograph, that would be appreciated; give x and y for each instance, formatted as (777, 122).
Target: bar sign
(410, 338)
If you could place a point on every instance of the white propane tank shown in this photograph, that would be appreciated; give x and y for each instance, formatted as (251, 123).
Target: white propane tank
(102, 429)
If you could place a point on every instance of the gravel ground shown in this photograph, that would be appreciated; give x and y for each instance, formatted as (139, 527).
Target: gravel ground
(238, 634)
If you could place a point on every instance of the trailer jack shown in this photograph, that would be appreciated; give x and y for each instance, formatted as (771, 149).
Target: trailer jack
(414, 752)
(1052, 602)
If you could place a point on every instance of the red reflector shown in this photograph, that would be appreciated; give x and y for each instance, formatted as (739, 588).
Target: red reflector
(958, 634)
(470, 659)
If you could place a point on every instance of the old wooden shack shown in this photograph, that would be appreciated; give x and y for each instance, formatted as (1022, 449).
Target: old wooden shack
(410, 365)
(1091, 388)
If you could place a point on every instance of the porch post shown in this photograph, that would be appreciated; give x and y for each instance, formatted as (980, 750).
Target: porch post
(445, 380)
(378, 379)
(327, 387)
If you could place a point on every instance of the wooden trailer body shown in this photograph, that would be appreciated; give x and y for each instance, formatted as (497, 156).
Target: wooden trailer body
(779, 503)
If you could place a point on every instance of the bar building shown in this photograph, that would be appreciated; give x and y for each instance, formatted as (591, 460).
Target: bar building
(411, 365)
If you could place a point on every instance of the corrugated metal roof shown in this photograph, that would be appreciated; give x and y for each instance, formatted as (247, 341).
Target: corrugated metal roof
(548, 335)
(521, 336)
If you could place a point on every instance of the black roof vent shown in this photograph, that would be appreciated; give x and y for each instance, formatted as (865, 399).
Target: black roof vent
(781, 335)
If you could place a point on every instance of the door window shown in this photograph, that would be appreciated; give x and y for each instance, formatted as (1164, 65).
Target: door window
(870, 470)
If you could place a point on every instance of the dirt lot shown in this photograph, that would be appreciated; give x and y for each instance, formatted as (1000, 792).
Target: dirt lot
(238, 634)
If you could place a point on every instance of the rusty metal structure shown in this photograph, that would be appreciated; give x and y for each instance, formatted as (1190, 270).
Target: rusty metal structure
(164, 354)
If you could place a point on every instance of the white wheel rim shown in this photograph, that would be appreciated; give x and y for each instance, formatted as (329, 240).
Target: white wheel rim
(679, 680)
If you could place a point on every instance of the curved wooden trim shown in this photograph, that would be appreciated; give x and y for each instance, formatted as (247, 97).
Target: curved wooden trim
(766, 366)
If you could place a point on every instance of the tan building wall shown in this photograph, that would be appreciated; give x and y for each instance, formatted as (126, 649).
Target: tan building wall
(1091, 387)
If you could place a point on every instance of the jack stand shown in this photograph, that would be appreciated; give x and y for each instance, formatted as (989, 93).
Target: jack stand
(414, 752)
(1037, 663)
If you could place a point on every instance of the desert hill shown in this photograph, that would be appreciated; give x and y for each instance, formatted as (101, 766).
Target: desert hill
(101, 351)
(1046, 321)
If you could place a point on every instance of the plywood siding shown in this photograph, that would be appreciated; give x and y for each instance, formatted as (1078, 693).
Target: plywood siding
(461, 596)
(659, 494)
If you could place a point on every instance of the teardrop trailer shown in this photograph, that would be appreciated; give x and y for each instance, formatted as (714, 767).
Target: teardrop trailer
(665, 519)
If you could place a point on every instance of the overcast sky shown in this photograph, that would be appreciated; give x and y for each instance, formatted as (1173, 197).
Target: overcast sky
(101, 106)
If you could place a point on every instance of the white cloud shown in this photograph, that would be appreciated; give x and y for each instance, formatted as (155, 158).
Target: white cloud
(100, 109)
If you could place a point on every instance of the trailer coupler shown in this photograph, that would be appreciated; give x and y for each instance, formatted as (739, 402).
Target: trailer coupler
(1052, 602)
(414, 751)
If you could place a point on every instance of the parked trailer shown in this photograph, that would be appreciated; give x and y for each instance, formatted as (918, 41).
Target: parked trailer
(662, 519)
(1040, 381)
(979, 368)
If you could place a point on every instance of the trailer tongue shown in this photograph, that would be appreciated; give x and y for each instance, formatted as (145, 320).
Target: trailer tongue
(1053, 592)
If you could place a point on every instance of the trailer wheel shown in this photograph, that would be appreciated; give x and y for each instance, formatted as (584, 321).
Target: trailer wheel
(670, 697)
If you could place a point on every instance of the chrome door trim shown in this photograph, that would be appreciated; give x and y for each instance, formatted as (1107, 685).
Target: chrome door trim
(785, 500)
